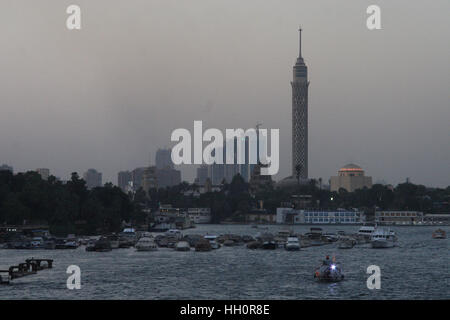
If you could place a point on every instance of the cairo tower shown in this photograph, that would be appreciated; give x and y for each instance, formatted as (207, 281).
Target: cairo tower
(300, 117)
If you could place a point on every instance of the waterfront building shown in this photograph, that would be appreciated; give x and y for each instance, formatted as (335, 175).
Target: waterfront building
(294, 216)
(259, 216)
(398, 217)
(199, 215)
(350, 178)
(44, 172)
(93, 178)
(163, 159)
(5, 167)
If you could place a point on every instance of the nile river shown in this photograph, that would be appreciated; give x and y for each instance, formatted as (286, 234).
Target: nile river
(418, 268)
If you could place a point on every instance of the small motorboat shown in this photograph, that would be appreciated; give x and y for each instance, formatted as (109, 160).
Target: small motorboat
(269, 245)
(254, 245)
(90, 246)
(292, 244)
(203, 245)
(182, 246)
(213, 241)
(439, 234)
(329, 271)
(37, 243)
(102, 245)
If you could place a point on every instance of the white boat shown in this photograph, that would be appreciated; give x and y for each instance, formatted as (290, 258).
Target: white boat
(292, 243)
(37, 242)
(174, 233)
(383, 238)
(146, 244)
(182, 246)
(366, 231)
(213, 241)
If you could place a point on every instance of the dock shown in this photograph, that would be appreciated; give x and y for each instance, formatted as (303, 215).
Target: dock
(29, 267)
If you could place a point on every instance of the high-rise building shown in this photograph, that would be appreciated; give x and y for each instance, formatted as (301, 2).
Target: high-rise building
(5, 167)
(44, 172)
(136, 177)
(163, 159)
(202, 174)
(123, 180)
(149, 179)
(93, 178)
(168, 177)
(300, 85)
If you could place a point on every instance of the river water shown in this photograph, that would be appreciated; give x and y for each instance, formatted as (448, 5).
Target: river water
(418, 268)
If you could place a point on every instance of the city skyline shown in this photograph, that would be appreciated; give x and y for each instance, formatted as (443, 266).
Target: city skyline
(109, 101)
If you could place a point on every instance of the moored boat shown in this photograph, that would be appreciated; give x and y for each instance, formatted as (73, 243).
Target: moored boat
(439, 234)
(146, 244)
(102, 245)
(292, 244)
(212, 241)
(182, 246)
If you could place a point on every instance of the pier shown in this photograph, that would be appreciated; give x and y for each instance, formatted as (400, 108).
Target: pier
(29, 267)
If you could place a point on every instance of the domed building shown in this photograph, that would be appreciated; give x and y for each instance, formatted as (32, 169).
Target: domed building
(350, 178)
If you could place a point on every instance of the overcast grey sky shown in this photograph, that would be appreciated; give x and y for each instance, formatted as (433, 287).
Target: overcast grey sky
(109, 95)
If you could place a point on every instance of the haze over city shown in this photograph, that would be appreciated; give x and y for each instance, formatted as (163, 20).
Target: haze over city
(109, 95)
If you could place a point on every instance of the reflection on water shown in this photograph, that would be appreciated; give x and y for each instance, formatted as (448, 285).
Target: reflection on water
(413, 270)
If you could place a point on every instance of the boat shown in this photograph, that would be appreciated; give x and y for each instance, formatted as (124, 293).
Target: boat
(174, 233)
(366, 230)
(183, 246)
(114, 240)
(162, 227)
(127, 238)
(329, 271)
(212, 241)
(315, 237)
(71, 243)
(203, 245)
(269, 245)
(439, 234)
(346, 243)
(49, 243)
(90, 245)
(292, 243)
(60, 243)
(102, 245)
(383, 238)
(330, 237)
(146, 244)
(37, 243)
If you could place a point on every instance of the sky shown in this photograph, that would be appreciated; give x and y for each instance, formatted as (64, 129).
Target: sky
(109, 95)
